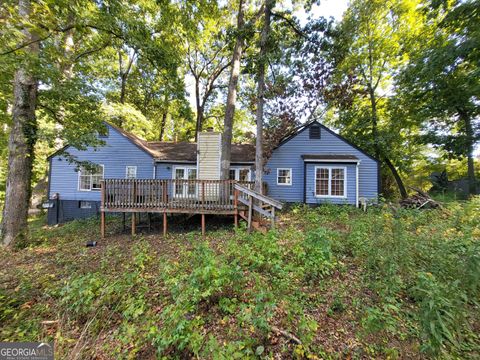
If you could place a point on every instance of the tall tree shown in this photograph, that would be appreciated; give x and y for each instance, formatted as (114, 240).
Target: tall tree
(124, 69)
(261, 69)
(232, 94)
(371, 42)
(442, 82)
(208, 57)
(57, 49)
(22, 136)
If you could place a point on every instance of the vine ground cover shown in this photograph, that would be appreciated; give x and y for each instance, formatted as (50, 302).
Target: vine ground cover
(331, 282)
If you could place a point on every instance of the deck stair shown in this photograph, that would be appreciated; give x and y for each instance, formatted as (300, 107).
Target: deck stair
(260, 209)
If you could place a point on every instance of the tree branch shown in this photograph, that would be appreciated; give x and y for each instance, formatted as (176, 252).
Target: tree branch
(51, 111)
(24, 45)
(290, 23)
(91, 51)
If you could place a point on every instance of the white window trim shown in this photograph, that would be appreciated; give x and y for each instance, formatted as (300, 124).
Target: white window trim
(126, 171)
(237, 171)
(329, 196)
(291, 177)
(80, 173)
(185, 169)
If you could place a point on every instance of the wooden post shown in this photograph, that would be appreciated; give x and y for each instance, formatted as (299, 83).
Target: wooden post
(203, 224)
(203, 194)
(235, 206)
(102, 207)
(102, 223)
(164, 224)
(250, 212)
(134, 224)
(273, 217)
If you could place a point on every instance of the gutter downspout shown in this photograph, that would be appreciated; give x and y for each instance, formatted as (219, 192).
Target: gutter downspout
(356, 186)
(154, 169)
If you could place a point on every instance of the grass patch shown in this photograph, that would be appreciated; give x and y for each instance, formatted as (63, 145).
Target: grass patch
(331, 282)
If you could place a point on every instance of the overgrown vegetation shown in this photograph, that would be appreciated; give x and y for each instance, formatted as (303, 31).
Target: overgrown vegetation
(330, 282)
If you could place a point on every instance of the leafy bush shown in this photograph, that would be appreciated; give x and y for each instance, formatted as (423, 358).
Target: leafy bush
(347, 283)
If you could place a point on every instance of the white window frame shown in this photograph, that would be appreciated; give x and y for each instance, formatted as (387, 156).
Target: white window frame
(330, 168)
(237, 170)
(291, 177)
(130, 167)
(185, 168)
(91, 182)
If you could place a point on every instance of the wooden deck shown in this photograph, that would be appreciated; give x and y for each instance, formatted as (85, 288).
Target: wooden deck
(170, 196)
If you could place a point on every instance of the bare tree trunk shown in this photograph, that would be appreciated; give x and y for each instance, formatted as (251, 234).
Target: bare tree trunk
(199, 107)
(124, 73)
(162, 126)
(472, 183)
(232, 97)
(261, 95)
(398, 179)
(123, 85)
(21, 144)
(373, 103)
(66, 67)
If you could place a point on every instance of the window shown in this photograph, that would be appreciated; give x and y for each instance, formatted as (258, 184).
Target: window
(192, 175)
(239, 174)
(330, 181)
(314, 132)
(90, 180)
(284, 176)
(337, 182)
(131, 172)
(85, 205)
(322, 182)
(243, 175)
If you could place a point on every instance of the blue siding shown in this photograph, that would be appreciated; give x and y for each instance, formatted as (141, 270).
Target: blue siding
(310, 185)
(163, 171)
(288, 155)
(115, 156)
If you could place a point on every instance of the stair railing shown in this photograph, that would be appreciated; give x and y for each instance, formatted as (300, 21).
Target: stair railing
(258, 205)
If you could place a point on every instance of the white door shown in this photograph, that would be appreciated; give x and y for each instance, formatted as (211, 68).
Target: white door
(239, 174)
(183, 189)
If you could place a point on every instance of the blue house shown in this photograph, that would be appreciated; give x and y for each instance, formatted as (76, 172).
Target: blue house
(313, 166)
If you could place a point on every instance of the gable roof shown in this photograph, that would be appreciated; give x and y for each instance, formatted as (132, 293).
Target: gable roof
(305, 126)
(164, 151)
(142, 144)
(187, 151)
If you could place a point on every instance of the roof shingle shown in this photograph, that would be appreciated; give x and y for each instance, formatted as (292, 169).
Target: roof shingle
(185, 151)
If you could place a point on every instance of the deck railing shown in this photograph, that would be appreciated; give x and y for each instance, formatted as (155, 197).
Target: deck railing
(172, 195)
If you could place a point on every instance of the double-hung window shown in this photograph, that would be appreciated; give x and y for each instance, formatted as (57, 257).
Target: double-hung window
(89, 179)
(284, 176)
(131, 172)
(330, 181)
